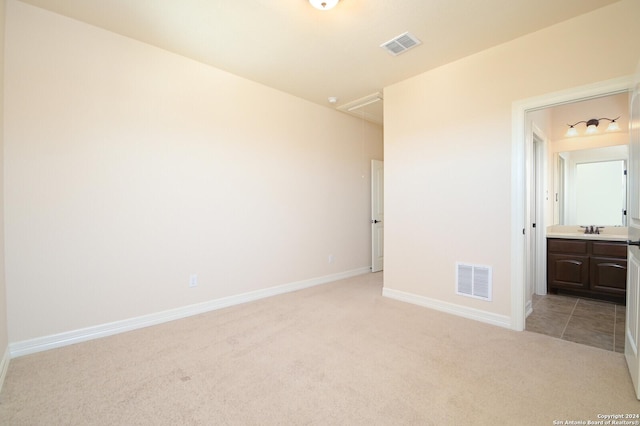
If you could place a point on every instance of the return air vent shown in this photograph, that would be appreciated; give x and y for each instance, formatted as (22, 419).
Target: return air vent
(401, 44)
(473, 281)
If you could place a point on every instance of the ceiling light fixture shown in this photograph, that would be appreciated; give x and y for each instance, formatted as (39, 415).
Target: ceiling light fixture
(323, 4)
(592, 126)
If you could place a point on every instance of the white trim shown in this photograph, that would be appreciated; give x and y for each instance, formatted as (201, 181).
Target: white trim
(528, 308)
(40, 344)
(518, 180)
(542, 200)
(449, 308)
(4, 366)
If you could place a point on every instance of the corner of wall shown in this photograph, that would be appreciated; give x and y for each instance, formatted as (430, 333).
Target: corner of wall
(4, 333)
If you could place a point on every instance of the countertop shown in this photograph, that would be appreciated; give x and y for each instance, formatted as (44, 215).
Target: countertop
(610, 233)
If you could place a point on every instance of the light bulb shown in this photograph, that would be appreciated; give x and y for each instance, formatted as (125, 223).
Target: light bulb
(613, 126)
(323, 4)
(572, 132)
(591, 129)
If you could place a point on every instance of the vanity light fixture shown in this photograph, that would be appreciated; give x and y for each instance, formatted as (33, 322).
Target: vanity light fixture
(592, 126)
(323, 4)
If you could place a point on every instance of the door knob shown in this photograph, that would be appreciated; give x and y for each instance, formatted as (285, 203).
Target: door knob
(375, 221)
(633, 243)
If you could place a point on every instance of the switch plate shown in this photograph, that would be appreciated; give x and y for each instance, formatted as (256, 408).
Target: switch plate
(193, 280)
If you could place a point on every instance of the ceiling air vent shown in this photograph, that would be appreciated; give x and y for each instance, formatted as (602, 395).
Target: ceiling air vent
(400, 44)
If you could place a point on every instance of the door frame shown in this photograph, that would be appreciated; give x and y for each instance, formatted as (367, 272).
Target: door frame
(520, 164)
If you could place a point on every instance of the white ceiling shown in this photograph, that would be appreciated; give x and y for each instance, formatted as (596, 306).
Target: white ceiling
(290, 46)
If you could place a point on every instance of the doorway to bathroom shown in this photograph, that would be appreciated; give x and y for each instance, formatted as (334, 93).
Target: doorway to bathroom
(566, 187)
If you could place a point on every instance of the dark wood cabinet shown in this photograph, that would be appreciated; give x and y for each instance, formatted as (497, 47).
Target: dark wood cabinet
(591, 268)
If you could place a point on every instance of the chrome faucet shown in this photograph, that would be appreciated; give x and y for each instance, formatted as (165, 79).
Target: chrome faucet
(592, 229)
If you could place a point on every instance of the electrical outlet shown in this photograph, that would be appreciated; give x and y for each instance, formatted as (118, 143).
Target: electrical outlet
(193, 280)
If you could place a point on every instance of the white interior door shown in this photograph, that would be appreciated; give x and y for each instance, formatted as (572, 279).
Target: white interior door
(377, 215)
(632, 325)
(530, 235)
(542, 199)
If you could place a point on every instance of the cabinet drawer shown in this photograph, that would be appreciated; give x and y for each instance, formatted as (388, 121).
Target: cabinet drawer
(567, 246)
(603, 248)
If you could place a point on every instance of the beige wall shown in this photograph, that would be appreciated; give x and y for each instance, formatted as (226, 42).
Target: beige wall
(448, 149)
(129, 168)
(4, 338)
(588, 142)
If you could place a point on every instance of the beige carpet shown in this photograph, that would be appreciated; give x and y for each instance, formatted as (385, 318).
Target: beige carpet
(337, 354)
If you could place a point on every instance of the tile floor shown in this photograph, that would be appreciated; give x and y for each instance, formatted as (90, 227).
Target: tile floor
(587, 321)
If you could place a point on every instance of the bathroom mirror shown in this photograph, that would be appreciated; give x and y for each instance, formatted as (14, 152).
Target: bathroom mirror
(591, 186)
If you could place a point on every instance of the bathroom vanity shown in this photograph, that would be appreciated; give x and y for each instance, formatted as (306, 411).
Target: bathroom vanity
(590, 265)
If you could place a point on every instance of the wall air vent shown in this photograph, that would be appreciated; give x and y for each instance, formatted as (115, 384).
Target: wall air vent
(401, 44)
(473, 281)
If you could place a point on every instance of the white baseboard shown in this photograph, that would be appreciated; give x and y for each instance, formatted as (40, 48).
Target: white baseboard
(4, 366)
(44, 343)
(450, 308)
(528, 308)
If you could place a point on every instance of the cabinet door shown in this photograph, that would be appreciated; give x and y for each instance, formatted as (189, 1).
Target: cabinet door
(568, 271)
(608, 275)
